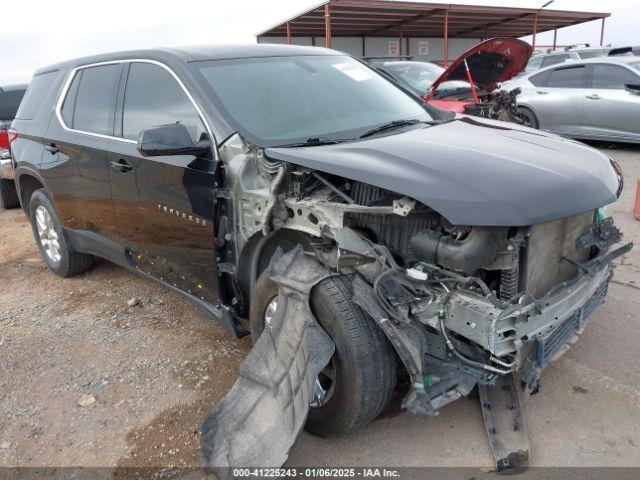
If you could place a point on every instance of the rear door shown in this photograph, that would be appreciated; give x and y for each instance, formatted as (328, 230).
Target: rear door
(558, 102)
(610, 110)
(75, 163)
(163, 205)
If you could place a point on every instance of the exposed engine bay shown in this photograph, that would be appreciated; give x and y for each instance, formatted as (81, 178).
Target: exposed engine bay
(499, 105)
(462, 305)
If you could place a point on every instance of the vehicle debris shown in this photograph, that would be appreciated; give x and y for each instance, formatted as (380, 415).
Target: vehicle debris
(506, 429)
(258, 421)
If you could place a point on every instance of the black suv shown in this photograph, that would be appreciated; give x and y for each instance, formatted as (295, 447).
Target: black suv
(478, 247)
(10, 98)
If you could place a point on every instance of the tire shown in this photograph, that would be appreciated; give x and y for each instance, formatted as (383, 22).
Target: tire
(8, 194)
(364, 362)
(69, 262)
(528, 118)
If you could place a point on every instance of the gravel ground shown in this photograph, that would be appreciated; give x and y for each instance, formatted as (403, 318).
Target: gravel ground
(86, 379)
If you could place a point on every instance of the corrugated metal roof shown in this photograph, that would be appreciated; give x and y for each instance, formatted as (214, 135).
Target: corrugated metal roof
(387, 18)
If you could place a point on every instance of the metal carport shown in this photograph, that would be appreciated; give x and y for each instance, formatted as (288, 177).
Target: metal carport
(329, 21)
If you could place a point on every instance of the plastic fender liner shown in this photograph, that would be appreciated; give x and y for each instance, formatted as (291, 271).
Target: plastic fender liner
(258, 421)
(407, 342)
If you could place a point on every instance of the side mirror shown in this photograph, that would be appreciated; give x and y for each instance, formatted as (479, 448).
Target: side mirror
(172, 139)
(633, 88)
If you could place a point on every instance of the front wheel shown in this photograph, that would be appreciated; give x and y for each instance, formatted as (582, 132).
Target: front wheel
(49, 235)
(528, 118)
(357, 384)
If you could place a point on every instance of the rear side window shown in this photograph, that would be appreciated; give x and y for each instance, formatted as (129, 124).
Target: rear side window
(555, 59)
(540, 79)
(566, 78)
(36, 93)
(95, 101)
(612, 77)
(154, 97)
(69, 105)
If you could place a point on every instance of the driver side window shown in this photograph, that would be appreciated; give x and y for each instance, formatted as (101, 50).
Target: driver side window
(153, 97)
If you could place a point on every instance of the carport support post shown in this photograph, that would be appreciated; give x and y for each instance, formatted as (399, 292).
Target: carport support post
(401, 40)
(602, 32)
(555, 38)
(327, 25)
(535, 29)
(288, 34)
(446, 37)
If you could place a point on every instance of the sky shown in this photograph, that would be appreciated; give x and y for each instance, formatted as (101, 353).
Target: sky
(46, 32)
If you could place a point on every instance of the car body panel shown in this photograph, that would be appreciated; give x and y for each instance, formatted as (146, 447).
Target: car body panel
(542, 177)
(490, 62)
(177, 193)
(457, 106)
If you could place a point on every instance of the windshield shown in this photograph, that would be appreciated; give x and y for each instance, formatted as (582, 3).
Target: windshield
(281, 100)
(419, 76)
(636, 66)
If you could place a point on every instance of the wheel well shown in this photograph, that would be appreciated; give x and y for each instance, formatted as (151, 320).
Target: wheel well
(530, 111)
(28, 185)
(257, 253)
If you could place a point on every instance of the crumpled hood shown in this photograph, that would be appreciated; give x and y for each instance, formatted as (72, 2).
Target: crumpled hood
(490, 62)
(474, 171)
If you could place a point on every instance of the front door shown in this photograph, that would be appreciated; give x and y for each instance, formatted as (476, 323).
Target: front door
(163, 205)
(559, 103)
(610, 110)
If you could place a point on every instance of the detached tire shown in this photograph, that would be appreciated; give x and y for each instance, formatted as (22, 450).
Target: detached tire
(364, 363)
(8, 194)
(50, 239)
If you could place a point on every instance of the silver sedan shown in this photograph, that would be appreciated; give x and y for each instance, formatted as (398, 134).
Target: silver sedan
(597, 99)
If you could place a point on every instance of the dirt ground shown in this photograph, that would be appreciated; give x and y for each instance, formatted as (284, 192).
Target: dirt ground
(87, 380)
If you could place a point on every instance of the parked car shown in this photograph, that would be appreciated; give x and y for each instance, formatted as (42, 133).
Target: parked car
(489, 64)
(551, 58)
(10, 98)
(194, 167)
(596, 99)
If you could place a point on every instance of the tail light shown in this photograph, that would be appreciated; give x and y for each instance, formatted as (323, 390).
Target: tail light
(6, 137)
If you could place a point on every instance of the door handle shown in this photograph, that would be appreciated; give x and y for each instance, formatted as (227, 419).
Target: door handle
(593, 96)
(51, 148)
(121, 165)
(541, 92)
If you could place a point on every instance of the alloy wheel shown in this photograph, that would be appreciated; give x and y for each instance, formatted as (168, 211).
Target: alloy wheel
(47, 234)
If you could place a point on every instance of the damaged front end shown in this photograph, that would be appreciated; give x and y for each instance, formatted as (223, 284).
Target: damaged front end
(466, 305)
(463, 306)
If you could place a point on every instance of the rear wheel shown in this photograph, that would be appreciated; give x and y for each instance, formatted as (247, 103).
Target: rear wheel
(528, 118)
(357, 384)
(8, 194)
(49, 235)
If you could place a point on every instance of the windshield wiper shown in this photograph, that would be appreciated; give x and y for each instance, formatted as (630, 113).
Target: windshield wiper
(393, 124)
(315, 141)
